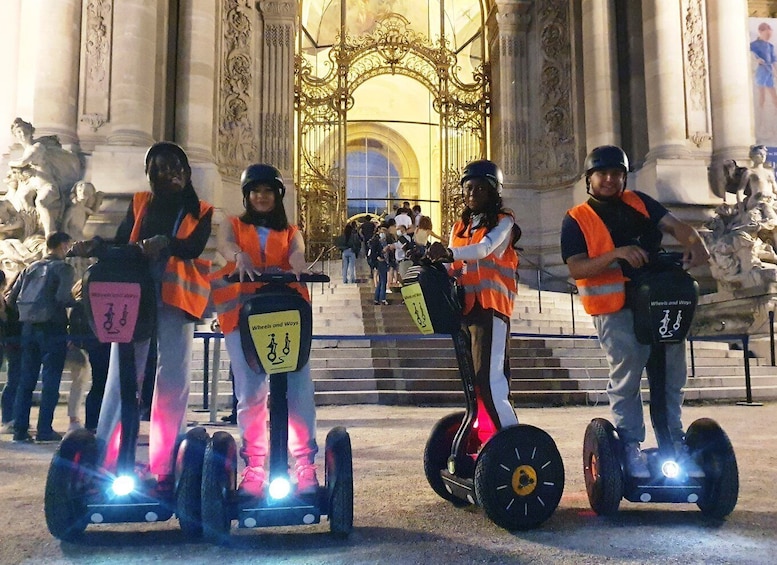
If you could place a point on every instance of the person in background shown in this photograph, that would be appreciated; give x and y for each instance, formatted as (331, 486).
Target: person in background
(349, 243)
(378, 253)
(261, 239)
(11, 350)
(42, 294)
(482, 251)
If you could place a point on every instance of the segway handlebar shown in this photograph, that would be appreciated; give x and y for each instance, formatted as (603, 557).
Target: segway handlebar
(659, 259)
(281, 277)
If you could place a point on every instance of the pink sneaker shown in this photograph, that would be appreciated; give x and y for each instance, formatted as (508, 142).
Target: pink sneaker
(253, 482)
(307, 481)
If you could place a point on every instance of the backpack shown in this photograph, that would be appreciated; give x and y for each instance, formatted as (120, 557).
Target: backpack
(36, 301)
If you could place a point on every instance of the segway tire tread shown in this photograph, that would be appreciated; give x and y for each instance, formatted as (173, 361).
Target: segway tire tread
(188, 494)
(437, 452)
(601, 457)
(218, 482)
(707, 441)
(339, 482)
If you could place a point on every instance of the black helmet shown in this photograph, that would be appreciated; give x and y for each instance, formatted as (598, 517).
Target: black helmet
(167, 147)
(484, 169)
(606, 157)
(262, 174)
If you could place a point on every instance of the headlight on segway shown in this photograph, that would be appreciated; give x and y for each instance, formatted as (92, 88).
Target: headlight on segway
(280, 488)
(670, 469)
(123, 485)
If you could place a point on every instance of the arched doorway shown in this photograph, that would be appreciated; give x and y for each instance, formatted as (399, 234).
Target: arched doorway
(385, 116)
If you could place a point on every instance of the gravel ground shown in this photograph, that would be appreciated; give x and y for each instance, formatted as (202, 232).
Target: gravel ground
(399, 519)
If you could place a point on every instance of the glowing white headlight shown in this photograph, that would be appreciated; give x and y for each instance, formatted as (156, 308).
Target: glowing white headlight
(280, 488)
(670, 469)
(123, 485)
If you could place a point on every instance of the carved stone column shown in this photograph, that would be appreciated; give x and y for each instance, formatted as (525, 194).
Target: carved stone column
(134, 60)
(195, 95)
(729, 63)
(510, 90)
(602, 122)
(56, 69)
(664, 80)
(276, 119)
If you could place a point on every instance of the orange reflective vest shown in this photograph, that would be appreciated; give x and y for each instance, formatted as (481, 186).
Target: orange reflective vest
(185, 283)
(606, 292)
(491, 280)
(229, 297)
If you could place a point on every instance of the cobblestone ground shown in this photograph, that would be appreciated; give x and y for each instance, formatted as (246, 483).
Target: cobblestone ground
(398, 519)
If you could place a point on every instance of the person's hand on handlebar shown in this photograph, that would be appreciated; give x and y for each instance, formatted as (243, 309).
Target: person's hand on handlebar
(437, 252)
(244, 267)
(634, 255)
(84, 248)
(153, 246)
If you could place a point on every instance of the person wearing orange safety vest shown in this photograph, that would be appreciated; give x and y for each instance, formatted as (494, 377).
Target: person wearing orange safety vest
(482, 250)
(259, 240)
(604, 242)
(172, 226)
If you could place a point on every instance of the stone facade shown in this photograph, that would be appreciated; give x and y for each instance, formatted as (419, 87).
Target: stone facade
(663, 79)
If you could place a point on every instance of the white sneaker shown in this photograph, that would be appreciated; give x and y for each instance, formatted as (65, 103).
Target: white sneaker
(307, 481)
(74, 426)
(636, 461)
(7, 428)
(686, 461)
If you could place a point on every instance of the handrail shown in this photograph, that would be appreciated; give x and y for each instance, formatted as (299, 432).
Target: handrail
(572, 288)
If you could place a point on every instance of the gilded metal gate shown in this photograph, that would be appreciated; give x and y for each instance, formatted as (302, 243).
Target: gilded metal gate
(323, 103)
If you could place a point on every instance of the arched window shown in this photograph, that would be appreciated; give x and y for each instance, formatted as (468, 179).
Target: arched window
(373, 181)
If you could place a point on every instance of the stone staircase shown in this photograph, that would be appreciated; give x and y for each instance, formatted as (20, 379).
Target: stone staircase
(368, 354)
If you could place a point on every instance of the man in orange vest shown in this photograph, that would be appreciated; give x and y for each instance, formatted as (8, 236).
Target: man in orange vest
(481, 248)
(604, 242)
(172, 226)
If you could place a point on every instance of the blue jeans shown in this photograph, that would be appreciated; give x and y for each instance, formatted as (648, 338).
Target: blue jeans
(380, 289)
(43, 344)
(13, 353)
(349, 266)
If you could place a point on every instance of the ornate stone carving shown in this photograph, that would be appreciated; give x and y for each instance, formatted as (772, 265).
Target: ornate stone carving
(555, 149)
(96, 62)
(278, 8)
(237, 138)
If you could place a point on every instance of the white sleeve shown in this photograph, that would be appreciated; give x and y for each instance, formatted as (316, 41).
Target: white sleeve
(496, 241)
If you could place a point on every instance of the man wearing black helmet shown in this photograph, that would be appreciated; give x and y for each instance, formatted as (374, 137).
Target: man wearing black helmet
(260, 240)
(481, 248)
(172, 226)
(604, 242)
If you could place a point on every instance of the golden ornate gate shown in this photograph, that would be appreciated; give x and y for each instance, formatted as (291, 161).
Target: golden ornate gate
(323, 103)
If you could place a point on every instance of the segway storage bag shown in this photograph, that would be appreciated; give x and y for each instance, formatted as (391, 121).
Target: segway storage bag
(119, 296)
(276, 328)
(663, 301)
(432, 298)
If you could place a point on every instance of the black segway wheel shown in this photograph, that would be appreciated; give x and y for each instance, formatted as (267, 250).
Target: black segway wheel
(188, 463)
(339, 481)
(437, 452)
(69, 480)
(519, 477)
(602, 468)
(219, 481)
(710, 446)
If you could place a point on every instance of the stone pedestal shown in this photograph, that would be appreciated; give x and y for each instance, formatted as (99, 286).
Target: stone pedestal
(730, 314)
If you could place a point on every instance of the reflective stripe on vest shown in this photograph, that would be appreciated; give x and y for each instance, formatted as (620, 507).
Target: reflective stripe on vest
(490, 280)
(229, 297)
(185, 283)
(606, 292)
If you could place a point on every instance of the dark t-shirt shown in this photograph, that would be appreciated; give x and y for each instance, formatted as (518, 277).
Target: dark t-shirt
(626, 225)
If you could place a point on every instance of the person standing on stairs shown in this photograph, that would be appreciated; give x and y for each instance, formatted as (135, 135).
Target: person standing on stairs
(604, 242)
(482, 250)
(348, 243)
(261, 239)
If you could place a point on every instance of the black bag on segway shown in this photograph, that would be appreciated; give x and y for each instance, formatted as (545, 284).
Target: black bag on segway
(276, 329)
(119, 297)
(663, 298)
(433, 299)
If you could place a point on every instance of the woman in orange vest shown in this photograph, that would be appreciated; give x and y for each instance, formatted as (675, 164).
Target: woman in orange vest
(172, 226)
(484, 258)
(258, 240)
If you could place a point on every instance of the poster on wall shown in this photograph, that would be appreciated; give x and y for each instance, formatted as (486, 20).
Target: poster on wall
(763, 56)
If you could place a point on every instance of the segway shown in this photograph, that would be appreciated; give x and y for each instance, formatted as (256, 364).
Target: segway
(663, 301)
(276, 329)
(517, 475)
(120, 304)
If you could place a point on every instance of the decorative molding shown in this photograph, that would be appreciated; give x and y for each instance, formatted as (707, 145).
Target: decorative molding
(696, 56)
(278, 8)
(236, 145)
(555, 153)
(96, 63)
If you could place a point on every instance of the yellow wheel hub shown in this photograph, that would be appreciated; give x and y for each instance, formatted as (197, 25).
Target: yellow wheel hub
(524, 480)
